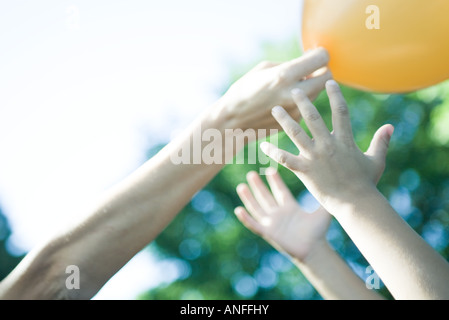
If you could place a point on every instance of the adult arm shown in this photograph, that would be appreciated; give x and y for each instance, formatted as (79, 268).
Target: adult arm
(136, 211)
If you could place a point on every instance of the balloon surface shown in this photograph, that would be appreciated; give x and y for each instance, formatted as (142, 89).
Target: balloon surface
(389, 46)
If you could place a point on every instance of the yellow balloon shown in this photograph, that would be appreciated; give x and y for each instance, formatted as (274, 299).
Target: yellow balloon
(390, 46)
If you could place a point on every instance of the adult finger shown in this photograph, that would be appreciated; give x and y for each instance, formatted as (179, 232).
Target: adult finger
(264, 65)
(303, 66)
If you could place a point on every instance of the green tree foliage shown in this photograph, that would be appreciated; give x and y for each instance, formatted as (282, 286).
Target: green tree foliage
(7, 261)
(218, 258)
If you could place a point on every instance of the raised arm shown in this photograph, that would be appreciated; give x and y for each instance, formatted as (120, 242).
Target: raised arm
(277, 217)
(343, 179)
(135, 211)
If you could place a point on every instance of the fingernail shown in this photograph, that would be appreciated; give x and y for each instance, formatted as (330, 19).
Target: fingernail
(332, 82)
(251, 174)
(277, 110)
(264, 147)
(391, 131)
(270, 171)
(296, 92)
(241, 187)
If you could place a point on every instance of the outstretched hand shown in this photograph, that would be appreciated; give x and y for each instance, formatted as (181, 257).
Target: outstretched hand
(277, 217)
(249, 101)
(330, 165)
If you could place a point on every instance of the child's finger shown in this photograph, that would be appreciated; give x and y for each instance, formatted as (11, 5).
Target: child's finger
(248, 221)
(280, 191)
(282, 157)
(310, 114)
(340, 114)
(260, 191)
(378, 148)
(250, 202)
(292, 129)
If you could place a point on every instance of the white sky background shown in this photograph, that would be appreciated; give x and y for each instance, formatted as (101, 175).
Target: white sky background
(87, 86)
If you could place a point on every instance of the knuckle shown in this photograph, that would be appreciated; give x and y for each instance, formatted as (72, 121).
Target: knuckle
(282, 159)
(264, 64)
(282, 77)
(331, 149)
(342, 109)
(348, 141)
(294, 131)
(327, 147)
(312, 116)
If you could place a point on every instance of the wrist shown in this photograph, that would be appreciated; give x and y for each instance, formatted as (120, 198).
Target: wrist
(232, 125)
(349, 198)
(369, 204)
(316, 255)
(223, 114)
(211, 139)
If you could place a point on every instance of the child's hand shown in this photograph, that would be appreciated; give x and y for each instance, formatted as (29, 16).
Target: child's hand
(330, 165)
(278, 218)
(343, 180)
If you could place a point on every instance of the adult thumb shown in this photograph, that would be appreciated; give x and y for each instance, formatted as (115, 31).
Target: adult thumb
(379, 145)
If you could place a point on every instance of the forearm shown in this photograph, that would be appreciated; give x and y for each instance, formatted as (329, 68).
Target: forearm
(343, 180)
(408, 266)
(332, 277)
(134, 212)
(124, 221)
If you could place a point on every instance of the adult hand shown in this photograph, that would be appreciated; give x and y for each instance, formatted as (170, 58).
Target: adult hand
(249, 101)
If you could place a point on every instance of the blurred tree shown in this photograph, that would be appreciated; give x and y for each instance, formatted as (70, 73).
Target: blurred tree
(7, 261)
(218, 258)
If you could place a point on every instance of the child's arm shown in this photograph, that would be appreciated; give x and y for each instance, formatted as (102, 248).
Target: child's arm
(277, 217)
(135, 211)
(343, 179)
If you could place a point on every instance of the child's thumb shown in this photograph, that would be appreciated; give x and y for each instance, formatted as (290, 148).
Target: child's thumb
(379, 145)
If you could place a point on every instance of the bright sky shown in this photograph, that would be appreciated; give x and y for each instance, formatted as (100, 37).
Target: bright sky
(87, 86)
